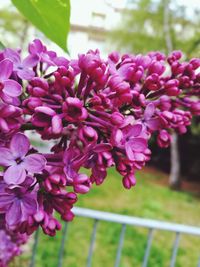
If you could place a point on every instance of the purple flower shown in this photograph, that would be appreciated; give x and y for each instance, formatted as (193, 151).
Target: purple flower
(153, 123)
(81, 183)
(135, 143)
(73, 110)
(36, 48)
(17, 203)
(164, 138)
(46, 117)
(133, 139)
(8, 87)
(156, 67)
(10, 245)
(131, 72)
(10, 118)
(129, 181)
(72, 162)
(87, 135)
(153, 82)
(43, 116)
(121, 89)
(8, 248)
(18, 162)
(22, 67)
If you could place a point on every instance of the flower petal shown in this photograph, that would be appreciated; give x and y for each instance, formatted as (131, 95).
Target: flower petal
(35, 47)
(46, 110)
(149, 111)
(30, 61)
(129, 152)
(19, 145)
(6, 68)
(12, 88)
(135, 130)
(153, 124)
(29, 206)
(5, 202)
(25, 74)
(34, 163)
(6, 157)
(15, 174)
(57, 124)
(12, 55)
(14, 214)
(102, 148)
(138, 144)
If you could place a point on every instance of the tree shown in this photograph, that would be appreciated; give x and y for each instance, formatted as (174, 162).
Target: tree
(141, 29)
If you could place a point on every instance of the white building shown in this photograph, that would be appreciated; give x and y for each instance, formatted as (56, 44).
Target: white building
(91, 21)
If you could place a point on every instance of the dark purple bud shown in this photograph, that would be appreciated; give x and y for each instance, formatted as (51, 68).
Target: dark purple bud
(129, 181)
(73, 110)
(156, 67)
(163, 138)
(117, 118)
(172, 88)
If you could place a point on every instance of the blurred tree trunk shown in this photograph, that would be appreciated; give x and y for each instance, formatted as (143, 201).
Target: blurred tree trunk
(174, 177)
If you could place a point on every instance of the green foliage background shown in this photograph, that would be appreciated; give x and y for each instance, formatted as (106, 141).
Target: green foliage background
(141, 28)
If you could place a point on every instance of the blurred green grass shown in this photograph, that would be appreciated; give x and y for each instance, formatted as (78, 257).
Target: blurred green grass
(148, 200)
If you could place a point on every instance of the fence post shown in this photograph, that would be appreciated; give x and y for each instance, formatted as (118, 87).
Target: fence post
(148, 247)
(92, 242)
(121, 241)
(175, 249)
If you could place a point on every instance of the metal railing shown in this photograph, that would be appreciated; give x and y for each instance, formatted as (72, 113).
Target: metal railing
(124, 220)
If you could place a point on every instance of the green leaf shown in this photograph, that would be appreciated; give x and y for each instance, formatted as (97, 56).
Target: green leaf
(49, 16)
(2, 46)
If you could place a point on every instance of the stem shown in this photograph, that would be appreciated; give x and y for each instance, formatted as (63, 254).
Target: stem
(81, 83)
(100, 121)
(29, 126)
(88, 88)
(156, 93)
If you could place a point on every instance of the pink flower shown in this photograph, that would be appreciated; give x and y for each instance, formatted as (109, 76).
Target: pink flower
(8, 87)
(22, 67)
(150, 120)
(129, 181)
(73, 110)
(36, 48)
(81, 183)
(164, 138)
(18, 202)
(135, 148)
(17, 160)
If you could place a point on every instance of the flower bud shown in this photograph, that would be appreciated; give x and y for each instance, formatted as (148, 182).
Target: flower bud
(129, 181)
(117, 118)
(163, 138)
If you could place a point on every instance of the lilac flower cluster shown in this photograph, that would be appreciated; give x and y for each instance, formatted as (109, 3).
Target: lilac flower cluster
(99, 113)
